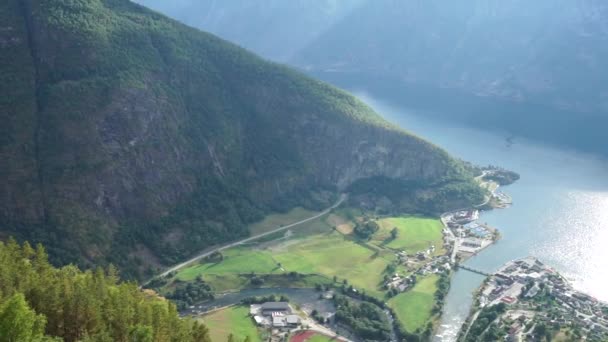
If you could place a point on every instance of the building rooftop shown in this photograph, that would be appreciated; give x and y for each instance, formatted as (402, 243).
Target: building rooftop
(292, 319)
(278, 306)
(278, 321)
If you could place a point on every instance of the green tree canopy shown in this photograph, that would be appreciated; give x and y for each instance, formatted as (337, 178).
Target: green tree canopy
(39, 301)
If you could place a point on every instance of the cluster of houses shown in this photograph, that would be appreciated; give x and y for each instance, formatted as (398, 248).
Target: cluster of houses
(433, 265)
(399, 283)
(472, 236)
(464, 216)
(519, 282)
(277, 315)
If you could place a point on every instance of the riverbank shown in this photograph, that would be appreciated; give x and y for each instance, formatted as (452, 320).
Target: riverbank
(390, 261)
(530, 300)
(462, 228)
(559, 214)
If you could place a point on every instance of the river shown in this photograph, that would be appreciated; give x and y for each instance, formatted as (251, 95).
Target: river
(559, 212)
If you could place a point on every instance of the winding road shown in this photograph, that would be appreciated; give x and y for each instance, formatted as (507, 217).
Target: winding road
(251, 238)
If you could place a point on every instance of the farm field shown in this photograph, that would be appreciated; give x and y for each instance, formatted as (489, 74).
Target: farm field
(234, 320)
(414, 308)
(333, 254)
(235, 260)
(316, 252)
(327, 254)
(414, 234)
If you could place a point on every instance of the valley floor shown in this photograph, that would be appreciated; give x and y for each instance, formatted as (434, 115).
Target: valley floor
(399, 263)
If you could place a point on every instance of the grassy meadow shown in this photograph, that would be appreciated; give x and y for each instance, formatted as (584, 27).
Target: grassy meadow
(414, 234)
(236, 261)
(233, 320)
(274, 221)
(333, 254)
(414, 308)
(318, 251)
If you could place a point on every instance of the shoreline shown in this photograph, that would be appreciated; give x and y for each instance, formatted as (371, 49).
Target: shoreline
(462, 228)
(503, 201)
(526, 293)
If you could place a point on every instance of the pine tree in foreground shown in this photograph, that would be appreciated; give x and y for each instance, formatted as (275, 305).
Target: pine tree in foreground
(39, 302)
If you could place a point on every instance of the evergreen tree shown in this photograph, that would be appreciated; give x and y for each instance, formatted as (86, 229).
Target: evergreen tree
(40, 302)
(18, 322)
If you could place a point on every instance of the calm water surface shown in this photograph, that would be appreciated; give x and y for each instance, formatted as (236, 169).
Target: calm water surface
(560, 210)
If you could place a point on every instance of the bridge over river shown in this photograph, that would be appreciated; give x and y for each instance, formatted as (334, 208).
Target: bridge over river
(474, 270)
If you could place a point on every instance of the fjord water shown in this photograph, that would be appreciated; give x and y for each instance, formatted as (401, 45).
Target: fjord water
(559, 212)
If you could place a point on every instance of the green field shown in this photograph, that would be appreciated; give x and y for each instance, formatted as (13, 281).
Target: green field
(234, 320)
(236, 260)
(332, 254)
(275, 221)
(318, 253)
(415, 234)
(320, 338)
(414, 308)
(328, 254)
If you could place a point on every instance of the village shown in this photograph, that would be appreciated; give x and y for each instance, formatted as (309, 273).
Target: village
(539, 301)
(465, 235)
(286, 322)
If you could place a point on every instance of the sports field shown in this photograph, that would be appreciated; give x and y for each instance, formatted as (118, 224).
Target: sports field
(320, 338)
(234, 320)
(414, 308)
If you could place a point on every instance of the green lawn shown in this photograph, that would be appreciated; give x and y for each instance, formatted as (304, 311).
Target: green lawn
(320, 338)
(274, 221)
(234, 320)
(315, 249)
(332, 254)
(415, 234)
(236, 260)
(413, 308)
(325, 254)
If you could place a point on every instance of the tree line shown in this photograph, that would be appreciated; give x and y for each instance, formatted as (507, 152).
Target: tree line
(39, 302)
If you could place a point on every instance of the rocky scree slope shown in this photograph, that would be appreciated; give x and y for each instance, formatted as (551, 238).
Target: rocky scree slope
(130, 138)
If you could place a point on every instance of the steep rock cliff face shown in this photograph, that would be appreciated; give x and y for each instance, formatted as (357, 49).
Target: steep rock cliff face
(130, 135)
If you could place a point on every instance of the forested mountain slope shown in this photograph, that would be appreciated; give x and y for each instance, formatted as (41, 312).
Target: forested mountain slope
(130, 138)
(528, 68)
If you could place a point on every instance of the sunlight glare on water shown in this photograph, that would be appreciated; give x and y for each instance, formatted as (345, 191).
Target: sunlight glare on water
(578, 247)
(559, 213)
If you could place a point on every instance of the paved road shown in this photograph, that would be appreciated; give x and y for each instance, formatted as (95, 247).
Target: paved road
(314, 326)
(240, 242)
(456, 239)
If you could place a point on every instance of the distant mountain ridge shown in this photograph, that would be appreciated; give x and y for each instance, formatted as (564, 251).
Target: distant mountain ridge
(529, 68)
(252, 24)
(130, 138)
